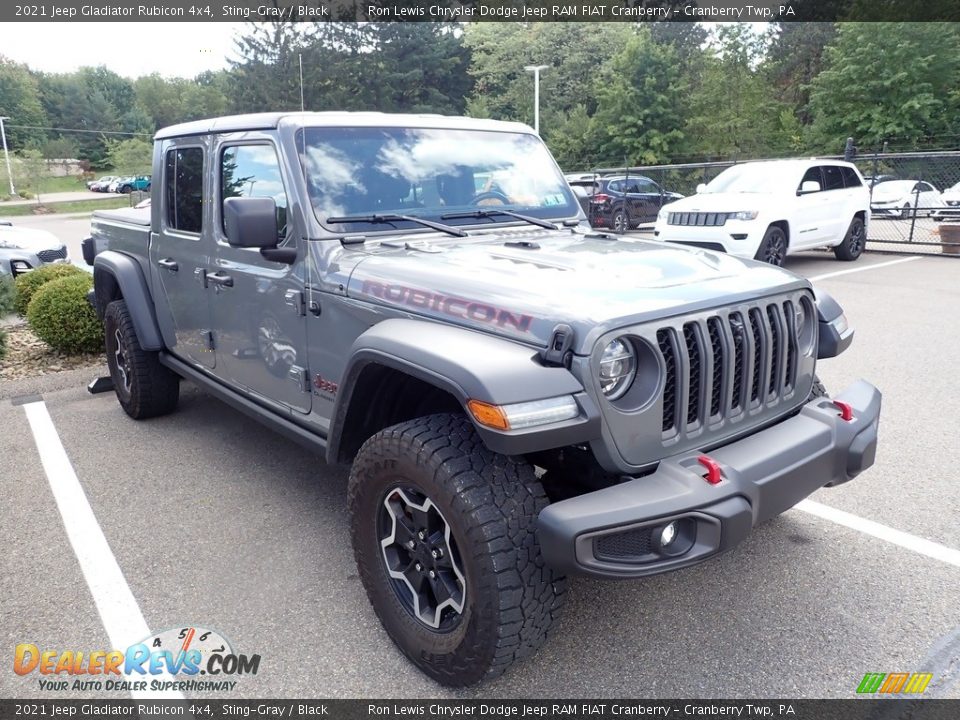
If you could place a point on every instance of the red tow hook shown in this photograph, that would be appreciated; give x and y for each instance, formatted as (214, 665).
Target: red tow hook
(713, 476)
(846, 410)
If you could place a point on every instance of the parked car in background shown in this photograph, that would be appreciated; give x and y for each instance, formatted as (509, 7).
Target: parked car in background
(768, 210)
(899, 199)
(622, 202)
(114, 185)
(26, 249)
(582, 186)
(873, 180)
(138, 182)
(951, 204)
(101, 184)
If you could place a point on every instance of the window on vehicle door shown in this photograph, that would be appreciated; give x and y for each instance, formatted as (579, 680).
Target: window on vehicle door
(183, 188)
(832, 177)
(254, 171)
(812, 175)
(850, 177)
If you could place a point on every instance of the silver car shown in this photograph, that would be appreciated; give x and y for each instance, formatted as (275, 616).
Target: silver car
(26, 249)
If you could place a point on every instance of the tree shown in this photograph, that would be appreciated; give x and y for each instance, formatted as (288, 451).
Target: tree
(888, 81)
(795, 58)
(642, 97)
(33, 170)
(73, 102)
(267, 77)
(20, 101)
(130, 157)
(734, 110)
(573, 52)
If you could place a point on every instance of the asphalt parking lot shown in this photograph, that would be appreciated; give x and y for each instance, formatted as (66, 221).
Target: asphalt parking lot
(216, 522)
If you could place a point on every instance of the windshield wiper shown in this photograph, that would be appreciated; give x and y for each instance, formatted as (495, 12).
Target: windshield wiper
(490, 213)
(389, 219)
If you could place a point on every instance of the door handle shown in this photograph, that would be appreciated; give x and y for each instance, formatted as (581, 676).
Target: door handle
(168, 264)
(220, 279)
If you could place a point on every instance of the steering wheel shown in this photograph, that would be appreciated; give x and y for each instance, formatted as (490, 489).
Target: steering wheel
(490, 195)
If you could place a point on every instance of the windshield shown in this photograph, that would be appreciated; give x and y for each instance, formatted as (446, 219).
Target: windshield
(428, 173)
(749, 178)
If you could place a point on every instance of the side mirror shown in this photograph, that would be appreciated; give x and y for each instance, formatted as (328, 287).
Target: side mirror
(250, 222)
(808, 186)
(701, 187)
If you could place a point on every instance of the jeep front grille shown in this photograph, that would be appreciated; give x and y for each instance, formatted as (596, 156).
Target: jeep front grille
(722, 365)
(702, 219)
(48, 256)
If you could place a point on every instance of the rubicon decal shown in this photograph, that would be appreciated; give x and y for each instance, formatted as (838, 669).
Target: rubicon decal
(155, 663)
(447, 304)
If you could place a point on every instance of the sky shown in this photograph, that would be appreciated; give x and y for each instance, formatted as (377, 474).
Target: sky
(176, 49)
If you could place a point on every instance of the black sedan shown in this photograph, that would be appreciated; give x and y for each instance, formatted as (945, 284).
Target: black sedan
(622, 202)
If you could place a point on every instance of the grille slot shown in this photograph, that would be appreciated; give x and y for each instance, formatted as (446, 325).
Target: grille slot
(701, 219)
(696, 362)
(665, 341)
(632, 544)
(51, 255)
(721, 366)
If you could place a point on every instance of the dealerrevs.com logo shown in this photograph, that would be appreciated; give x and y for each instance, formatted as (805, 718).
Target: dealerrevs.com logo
(174, 659)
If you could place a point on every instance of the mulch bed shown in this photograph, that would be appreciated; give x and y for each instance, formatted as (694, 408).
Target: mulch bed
(29, 356)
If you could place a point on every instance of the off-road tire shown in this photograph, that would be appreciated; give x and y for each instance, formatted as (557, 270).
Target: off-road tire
(773, 247)
(490, 503)
(152, 389)
(854, 242)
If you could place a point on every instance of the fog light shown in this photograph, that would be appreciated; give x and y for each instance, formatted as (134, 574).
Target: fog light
(668, 534)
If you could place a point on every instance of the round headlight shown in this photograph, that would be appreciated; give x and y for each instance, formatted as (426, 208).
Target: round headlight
(618, 367)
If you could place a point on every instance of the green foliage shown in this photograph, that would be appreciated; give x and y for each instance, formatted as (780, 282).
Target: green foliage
(60, 315)
(642, 96)
(888, 81)
(8, 295)
(3, 344)
(33, 171)
(130, 157)
(28, 283)
(20, 100)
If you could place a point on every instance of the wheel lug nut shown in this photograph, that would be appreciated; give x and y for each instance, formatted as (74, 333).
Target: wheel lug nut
(411, 544)
(422, 535)
(432, 574)
(418, 567)
(434, 554)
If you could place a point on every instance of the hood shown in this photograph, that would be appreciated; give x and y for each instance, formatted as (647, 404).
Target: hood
(592, 284)
(720, 202)
(890, 191)
(19, 238)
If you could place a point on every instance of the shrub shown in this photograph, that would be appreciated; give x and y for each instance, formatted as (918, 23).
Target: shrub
(3, 344)
(60, 315)
(29, 283)
(8, 295)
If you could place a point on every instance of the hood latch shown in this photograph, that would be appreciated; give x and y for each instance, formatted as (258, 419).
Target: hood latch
(559, 350)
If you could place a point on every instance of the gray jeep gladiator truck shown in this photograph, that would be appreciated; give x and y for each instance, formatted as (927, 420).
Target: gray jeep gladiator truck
(521, 398)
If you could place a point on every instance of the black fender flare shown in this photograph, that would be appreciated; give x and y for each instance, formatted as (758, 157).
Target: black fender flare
(470, 366)
(128, 276)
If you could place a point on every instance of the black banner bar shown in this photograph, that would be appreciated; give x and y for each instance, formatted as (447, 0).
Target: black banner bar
(200, 709)
(480, 10)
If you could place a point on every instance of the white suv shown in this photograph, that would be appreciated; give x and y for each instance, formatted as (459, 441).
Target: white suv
(768, 210)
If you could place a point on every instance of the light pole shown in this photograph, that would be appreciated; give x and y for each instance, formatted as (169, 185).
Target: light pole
(13, 190)
(535, 69)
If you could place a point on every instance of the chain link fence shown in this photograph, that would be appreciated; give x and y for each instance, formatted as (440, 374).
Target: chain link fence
(914, 196)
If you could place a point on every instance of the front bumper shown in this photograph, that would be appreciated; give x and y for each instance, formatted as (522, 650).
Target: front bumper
(737, 238)
(613, 533)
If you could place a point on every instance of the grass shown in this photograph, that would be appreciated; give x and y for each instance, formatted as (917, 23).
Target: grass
(66, 207)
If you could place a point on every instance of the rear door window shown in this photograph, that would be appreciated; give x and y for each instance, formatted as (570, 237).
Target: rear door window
(183, 189)
(850, 177)
(832, 177)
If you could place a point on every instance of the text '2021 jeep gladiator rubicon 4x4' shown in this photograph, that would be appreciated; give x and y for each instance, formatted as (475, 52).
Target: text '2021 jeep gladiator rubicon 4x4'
(521, 398)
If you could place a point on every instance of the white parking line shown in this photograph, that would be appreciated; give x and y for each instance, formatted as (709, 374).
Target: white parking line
(875, 529)
(863, 268)
(118, 609)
